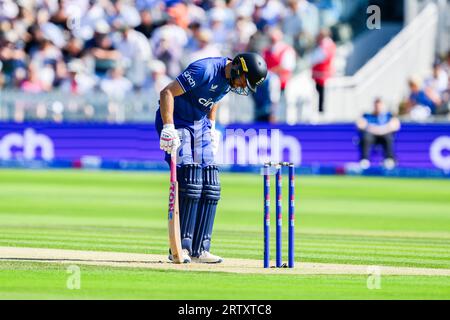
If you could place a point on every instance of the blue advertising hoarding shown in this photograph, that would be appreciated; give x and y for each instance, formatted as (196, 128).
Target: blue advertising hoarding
(416, 145)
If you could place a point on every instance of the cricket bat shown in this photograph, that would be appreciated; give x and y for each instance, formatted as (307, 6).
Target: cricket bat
(174, 213)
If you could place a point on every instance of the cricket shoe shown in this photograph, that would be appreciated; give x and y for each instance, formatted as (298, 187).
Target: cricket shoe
(389, 164)
(185, 254)
(364, 164)
(206, 257)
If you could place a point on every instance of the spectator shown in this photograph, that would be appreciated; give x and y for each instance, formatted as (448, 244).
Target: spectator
(193, 34)
(377, 128)
(102, 49)
(2, 77)
(148, 24)
(158, 79)
(258, 19)
(51, 34)
(12, 56)
(301, 25)
(178, 13)
(136, 52)
(422, 102)
(32, 83)
(124, 11)
(220, 32)
(330, 12)
(74, 49)
(242, 33)
(115, 85)
(280, 57)
(77, 82)
(258, 42)
(94, 13)
(9, 10)
(195, 12)
(322, 62)
(267, 98)
(438, 85)
(446, 64)
(48, 58)
(268, 13)
(168, 43)
(206, 48)
(438, 81)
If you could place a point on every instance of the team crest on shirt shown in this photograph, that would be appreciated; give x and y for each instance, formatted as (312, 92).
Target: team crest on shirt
(213, 88)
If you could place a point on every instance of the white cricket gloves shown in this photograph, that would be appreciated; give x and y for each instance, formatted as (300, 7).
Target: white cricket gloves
(169, 141)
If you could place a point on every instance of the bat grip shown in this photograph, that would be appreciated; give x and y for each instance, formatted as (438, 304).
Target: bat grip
(173, 166)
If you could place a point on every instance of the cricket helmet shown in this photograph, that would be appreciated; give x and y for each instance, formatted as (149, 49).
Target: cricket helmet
(253, 66)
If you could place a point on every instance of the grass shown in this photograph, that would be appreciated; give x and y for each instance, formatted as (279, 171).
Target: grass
(49, 281)
(355, 220)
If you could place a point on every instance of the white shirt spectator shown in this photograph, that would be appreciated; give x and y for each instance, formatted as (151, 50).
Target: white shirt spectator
(245, 7)
(83, 84)
(210, 50)
(136, 52)
(206, 48)
(88, 21)
(78, 81)
(8, 10)
(134, 45)
(158, 79)
(196, 13)
(243, 31)
(273, 10)
(49, 52)
(176, 35)
(168, 44)
(439, 82)
(304, 19)
(116, 86)
(126, 13)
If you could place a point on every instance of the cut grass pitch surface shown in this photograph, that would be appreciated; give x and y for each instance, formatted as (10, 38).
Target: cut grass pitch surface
(49, 281)
(342, 220)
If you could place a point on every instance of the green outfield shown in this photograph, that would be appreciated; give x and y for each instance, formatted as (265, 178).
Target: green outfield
(340, 220)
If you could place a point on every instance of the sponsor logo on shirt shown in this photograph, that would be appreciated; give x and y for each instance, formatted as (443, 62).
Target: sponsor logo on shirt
(213, 88)
(188, 77)
(206, 103)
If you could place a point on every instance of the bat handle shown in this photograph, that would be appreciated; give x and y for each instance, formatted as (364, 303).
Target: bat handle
(173, 165)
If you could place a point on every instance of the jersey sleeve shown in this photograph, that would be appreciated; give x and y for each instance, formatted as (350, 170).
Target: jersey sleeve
(193, 76)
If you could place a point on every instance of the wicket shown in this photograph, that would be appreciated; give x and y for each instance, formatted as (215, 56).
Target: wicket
(279, 213)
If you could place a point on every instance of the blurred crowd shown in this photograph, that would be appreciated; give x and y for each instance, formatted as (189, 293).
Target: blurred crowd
(429, 96)
(120, 46)
(116, 47)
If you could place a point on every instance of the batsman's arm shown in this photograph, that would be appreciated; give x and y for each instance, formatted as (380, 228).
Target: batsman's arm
(212, 113)
(166, 101)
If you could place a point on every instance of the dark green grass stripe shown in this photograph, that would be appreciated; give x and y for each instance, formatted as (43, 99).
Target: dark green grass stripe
(76, 245)
(227, 242)
(370, 238)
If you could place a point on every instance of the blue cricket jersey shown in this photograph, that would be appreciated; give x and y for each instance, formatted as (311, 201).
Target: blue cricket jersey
(204, 84)
(378, 120)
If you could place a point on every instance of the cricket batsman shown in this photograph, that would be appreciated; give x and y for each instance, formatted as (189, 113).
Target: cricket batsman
(185, 122)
